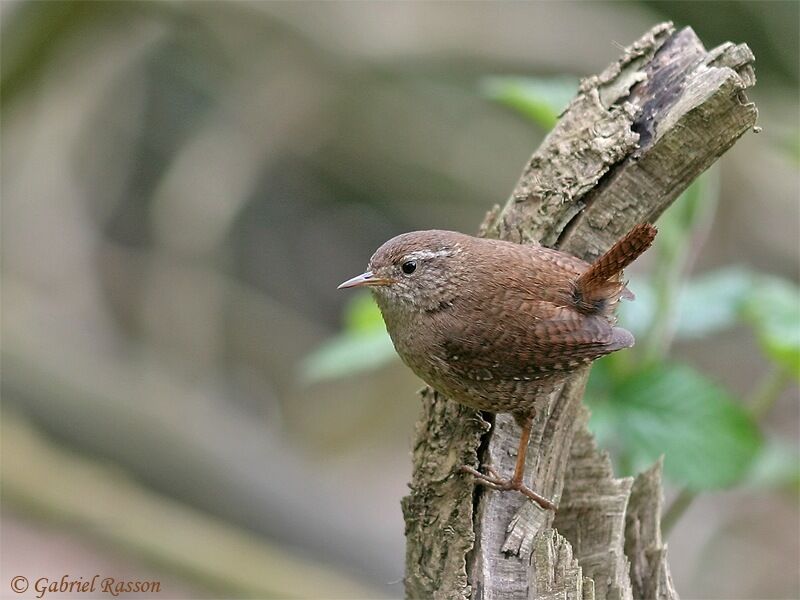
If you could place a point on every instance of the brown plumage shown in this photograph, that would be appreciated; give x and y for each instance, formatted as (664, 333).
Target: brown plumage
(492, 324)
(602, 280)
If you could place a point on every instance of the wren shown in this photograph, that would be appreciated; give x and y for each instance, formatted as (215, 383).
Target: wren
(493, 324)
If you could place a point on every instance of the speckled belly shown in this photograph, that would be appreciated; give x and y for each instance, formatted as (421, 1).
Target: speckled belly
(482, 390)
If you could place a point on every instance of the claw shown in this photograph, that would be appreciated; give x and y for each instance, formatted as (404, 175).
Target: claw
(495, 482)
(493, 473)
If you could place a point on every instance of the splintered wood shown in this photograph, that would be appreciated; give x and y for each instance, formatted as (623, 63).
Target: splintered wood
(630, 142)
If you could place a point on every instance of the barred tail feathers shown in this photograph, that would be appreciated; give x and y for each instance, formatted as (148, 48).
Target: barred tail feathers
(600, 286)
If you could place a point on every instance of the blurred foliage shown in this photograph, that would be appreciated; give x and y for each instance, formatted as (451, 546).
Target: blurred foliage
(707, 439)
(775, 466)
(539, 99)
(348, 354)
(773, 306)
(644, 405)
(720, 299)
(362, 345)
(706, 305)
(712, 301)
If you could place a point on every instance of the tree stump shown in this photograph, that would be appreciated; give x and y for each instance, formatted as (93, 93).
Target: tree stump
(629, 143)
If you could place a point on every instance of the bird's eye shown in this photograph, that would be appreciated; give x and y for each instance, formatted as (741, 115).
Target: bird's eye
(409, 267)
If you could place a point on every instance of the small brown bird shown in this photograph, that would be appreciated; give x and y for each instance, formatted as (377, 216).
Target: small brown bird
(493, 324)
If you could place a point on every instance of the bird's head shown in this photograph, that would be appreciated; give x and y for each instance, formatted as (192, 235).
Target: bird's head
(421, 271)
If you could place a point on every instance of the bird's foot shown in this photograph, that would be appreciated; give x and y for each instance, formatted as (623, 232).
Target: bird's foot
(494, 481)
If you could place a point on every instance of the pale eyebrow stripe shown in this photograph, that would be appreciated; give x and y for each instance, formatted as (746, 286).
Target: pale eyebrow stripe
(423, 254)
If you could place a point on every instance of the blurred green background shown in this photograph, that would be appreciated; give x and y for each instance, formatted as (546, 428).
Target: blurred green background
(187, 397)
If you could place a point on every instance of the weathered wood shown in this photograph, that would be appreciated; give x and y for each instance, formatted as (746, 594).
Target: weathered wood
(649, 572)
(440, 507)
(497, 570)
(555, 572)
(632, 139)
(592, 516)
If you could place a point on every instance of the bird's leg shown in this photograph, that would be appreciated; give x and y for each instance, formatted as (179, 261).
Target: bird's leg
(495, 482)
(522, 452)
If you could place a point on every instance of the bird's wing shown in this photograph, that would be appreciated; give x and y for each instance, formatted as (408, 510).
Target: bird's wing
(513, 347)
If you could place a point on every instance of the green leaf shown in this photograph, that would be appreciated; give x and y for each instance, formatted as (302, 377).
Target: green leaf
(362, 314)
(708, 440)
(706, 304)
(348, 354)
(541, 100)
(363, 344)
(713, 301)
(774, 309)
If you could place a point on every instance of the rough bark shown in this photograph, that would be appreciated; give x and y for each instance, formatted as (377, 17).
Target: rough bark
(649, 573)
(629, 143)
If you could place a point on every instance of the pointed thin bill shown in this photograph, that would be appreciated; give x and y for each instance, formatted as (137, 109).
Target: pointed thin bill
(364, 279)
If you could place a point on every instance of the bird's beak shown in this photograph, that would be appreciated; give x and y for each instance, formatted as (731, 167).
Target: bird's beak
(365, 279)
